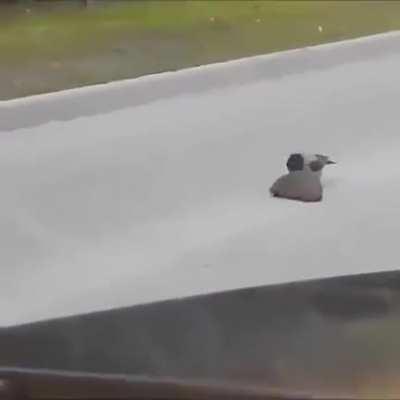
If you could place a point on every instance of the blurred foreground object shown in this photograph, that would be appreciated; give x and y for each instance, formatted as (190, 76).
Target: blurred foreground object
(329, 338)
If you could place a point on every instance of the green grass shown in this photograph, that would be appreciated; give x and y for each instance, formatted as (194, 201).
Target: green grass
(55, 46)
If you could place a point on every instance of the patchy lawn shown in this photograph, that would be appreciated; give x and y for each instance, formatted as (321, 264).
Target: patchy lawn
(55, 45)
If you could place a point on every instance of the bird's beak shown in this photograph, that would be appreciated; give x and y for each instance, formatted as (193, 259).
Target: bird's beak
(330, 162)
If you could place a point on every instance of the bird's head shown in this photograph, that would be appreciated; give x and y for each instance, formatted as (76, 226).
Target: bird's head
(304, 161)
